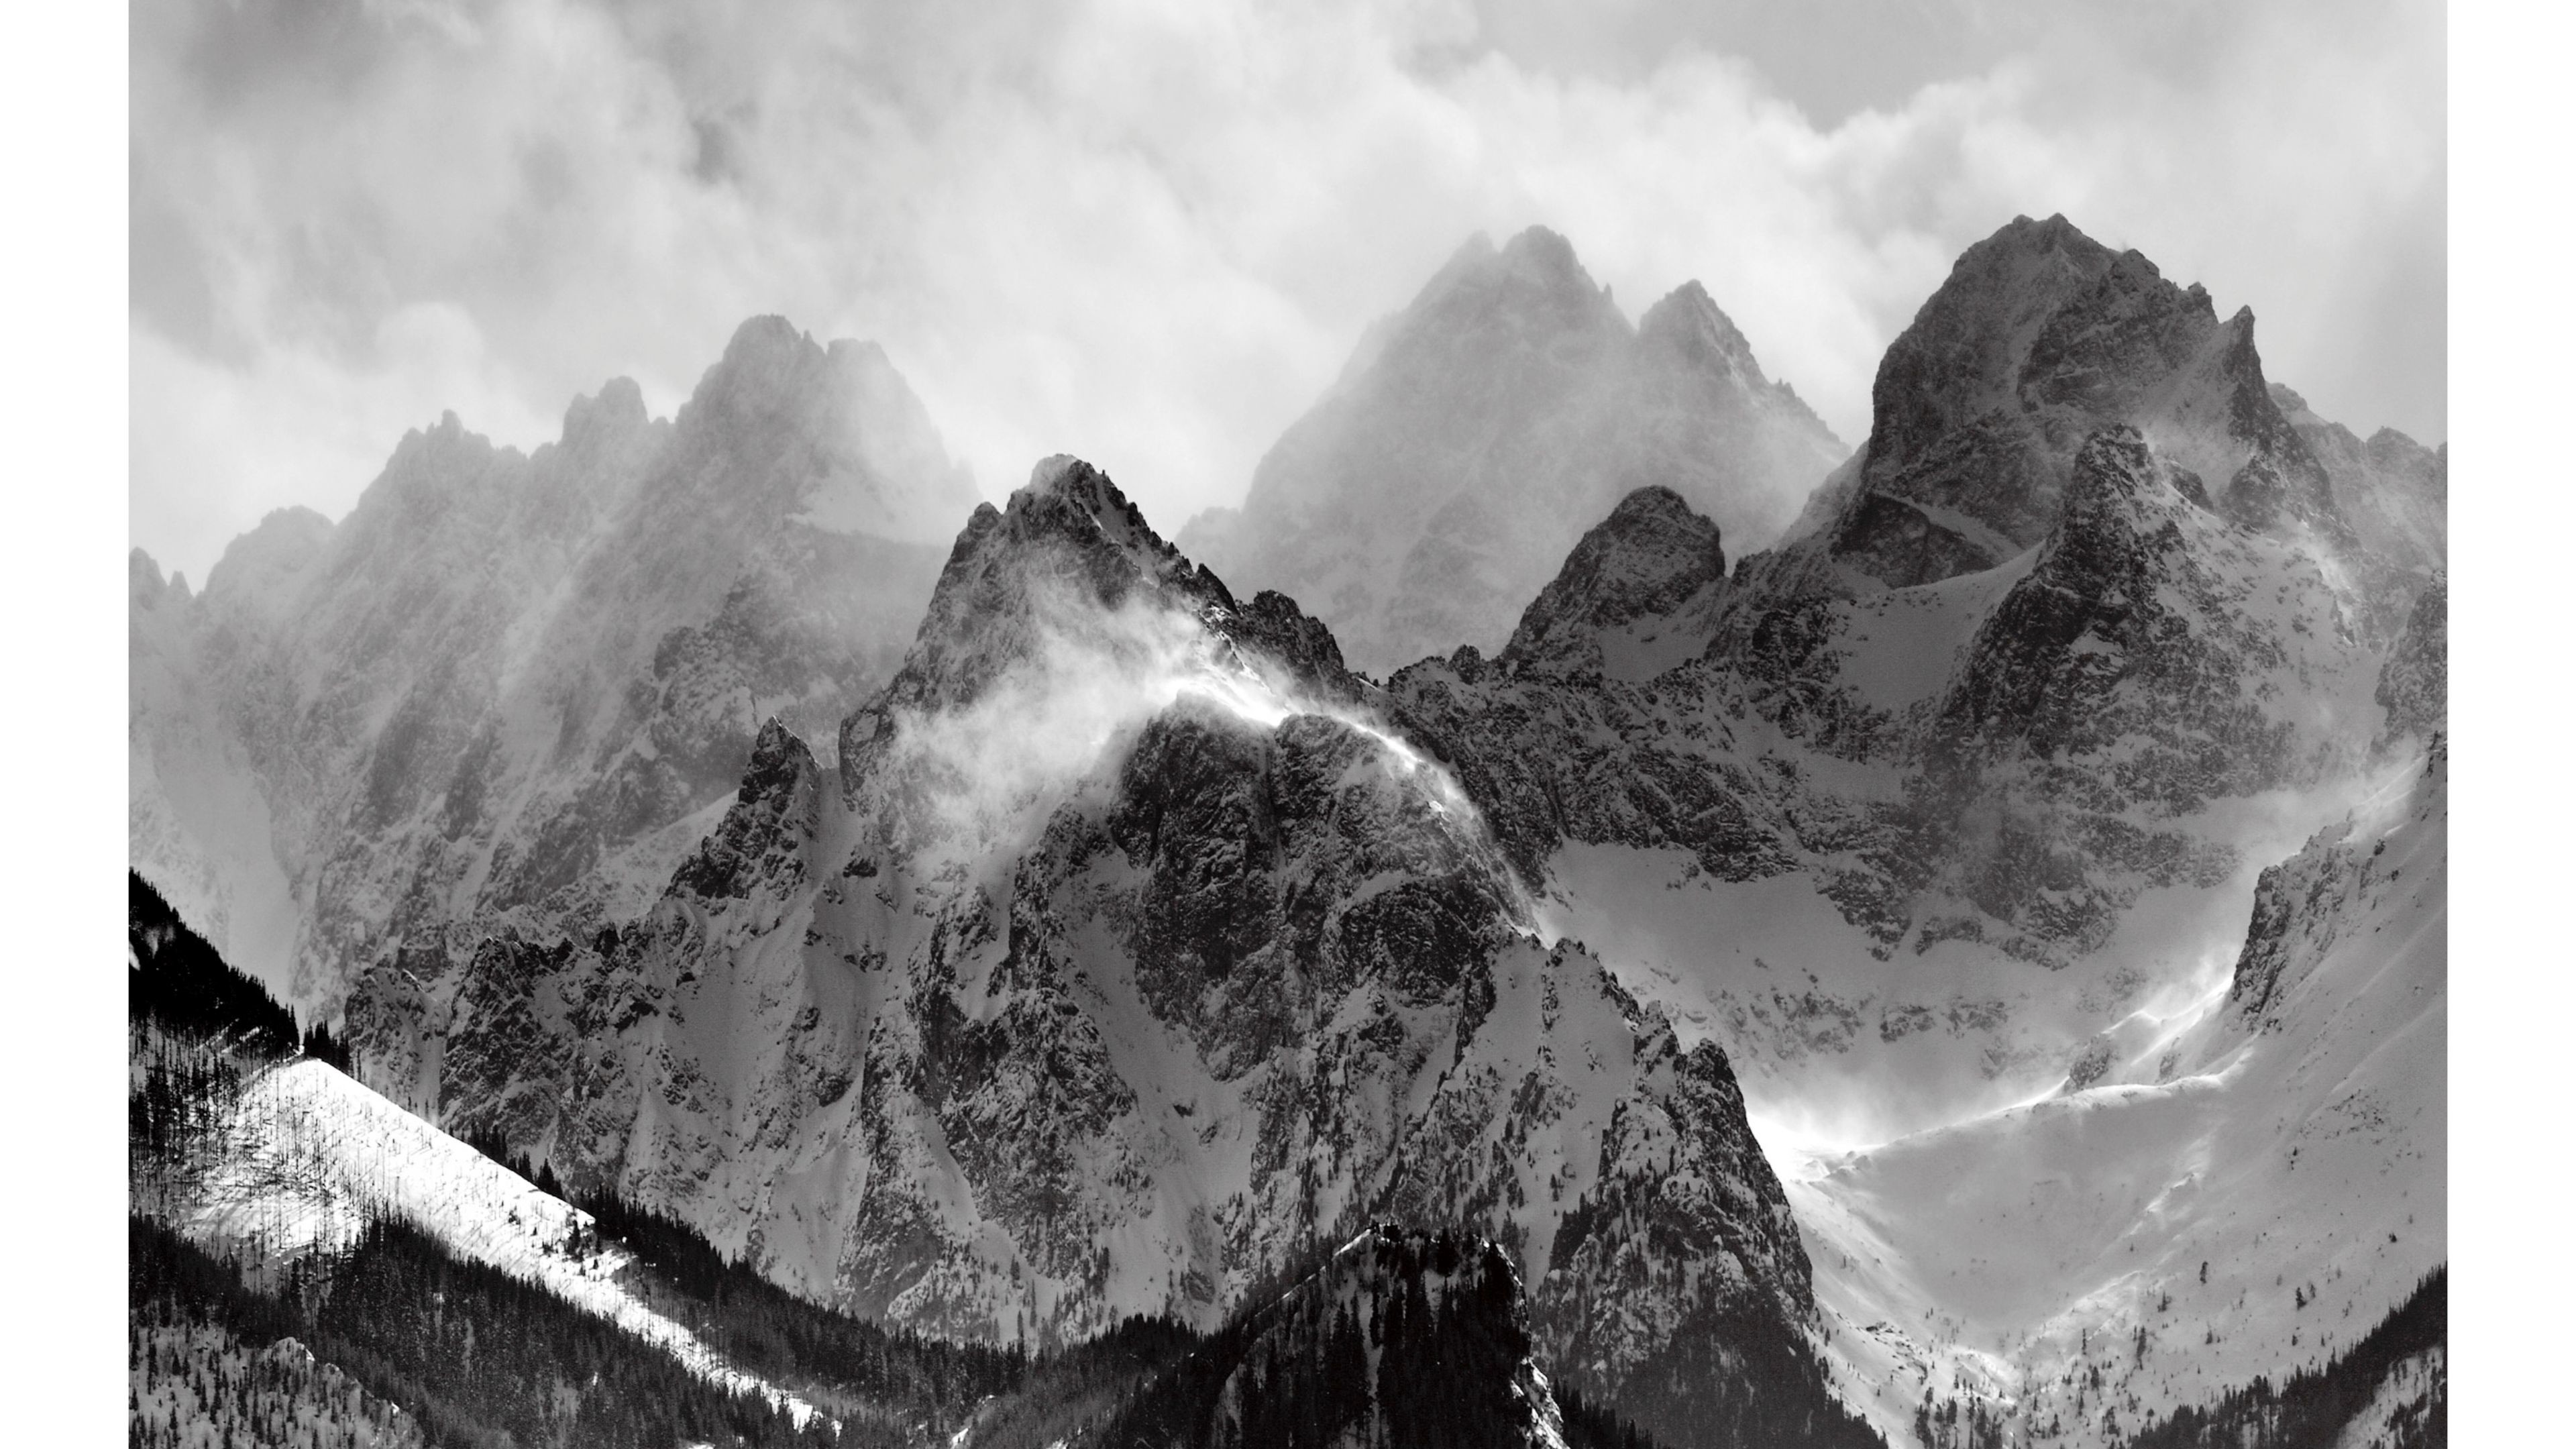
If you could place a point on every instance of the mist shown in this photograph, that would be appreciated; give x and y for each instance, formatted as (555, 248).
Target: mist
(1152, 236)
(979, 781)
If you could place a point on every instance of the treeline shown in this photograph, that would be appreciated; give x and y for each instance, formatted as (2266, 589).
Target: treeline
(2313, 1407)
(767, 1330)
(480, 1360)
(192, 1382)
(1738, 1381)
(1597, 1426)
(1942, 1426)
(179, 983)
(1068, 1389)
(1444, 1372)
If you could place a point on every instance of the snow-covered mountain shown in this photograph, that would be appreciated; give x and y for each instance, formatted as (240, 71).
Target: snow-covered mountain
(519, 687)
(1473, 436)
(1127, 958)
(1974, 779)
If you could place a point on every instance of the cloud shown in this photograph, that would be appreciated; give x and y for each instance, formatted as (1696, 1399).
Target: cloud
(1148, 233)
(973, 781)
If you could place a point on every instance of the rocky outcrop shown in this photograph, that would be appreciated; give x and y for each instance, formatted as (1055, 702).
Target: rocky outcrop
(2304, 905)
(1474, 436)
(1613, 606)
(2040, 337)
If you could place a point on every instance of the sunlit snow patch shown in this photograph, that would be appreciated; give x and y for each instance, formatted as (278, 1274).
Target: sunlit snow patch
(313, 1156)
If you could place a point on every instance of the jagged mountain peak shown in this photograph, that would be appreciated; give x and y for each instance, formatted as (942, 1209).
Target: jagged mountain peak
(835, 425)
(1689, 321)
(773, 813)
(142, 571)
(261, 568)
(2040, 337)
(437, 454)
(1069, 524)
(1653, 554)
(1435, 489)
(2055, 236)
(595, 420)
(1534, 256)
(1064, 490)
(1068, 552)
(1532, 292)
(1537, 254)
(1964, 351)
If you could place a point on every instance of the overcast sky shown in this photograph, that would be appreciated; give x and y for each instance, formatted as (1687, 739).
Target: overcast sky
(1149, 233)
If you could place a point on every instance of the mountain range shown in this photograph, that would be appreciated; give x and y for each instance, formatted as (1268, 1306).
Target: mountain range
(1968, 967)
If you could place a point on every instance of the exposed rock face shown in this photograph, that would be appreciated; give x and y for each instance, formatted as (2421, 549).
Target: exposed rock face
(1473, 437)
(2041, 336)
(2305, 904)
(513, 688)
(1130, 959)
(1618, 594)
(2415, 684)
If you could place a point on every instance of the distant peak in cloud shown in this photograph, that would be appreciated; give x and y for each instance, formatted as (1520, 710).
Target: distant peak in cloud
(1689, 320)
(1541, 254)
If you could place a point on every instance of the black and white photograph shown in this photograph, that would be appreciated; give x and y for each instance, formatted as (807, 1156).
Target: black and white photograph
(1382, 724)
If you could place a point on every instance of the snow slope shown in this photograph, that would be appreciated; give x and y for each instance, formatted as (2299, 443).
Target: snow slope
(311, 1156)
(2252, 1184)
